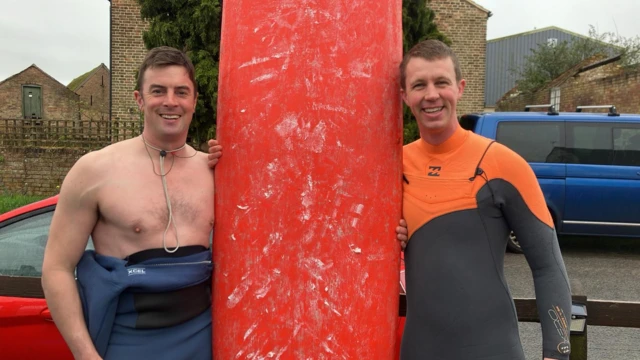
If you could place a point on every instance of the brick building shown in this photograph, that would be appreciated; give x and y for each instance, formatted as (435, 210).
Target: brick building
(93, 91)
(33, 94)
(463, 21)
(595, 81)
(127, 53)
(465, 24)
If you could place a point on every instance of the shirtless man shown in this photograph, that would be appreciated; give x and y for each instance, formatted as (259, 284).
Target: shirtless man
(145, 202)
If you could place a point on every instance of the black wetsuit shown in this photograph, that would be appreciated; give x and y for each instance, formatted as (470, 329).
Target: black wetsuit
(461, 199)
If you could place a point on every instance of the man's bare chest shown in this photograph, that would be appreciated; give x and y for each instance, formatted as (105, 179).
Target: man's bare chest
(139, 199)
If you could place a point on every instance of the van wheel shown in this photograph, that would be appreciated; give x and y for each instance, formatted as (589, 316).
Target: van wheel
(513, 245)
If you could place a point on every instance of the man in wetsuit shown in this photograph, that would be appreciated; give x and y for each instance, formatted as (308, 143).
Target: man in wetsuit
(463, 193)
(147, 203)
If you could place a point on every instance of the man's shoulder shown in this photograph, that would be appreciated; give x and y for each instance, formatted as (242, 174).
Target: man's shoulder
(98, 161)
(503, 153)
(480, 140)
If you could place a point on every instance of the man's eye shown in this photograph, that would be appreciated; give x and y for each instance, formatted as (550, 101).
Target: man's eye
(156, 91)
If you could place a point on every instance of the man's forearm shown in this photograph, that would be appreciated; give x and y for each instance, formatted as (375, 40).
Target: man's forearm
(63, 300)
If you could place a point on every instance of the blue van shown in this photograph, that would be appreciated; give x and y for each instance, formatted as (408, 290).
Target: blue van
(587, 164)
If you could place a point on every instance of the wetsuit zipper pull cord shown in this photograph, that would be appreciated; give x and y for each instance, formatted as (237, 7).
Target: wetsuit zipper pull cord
(171, 220)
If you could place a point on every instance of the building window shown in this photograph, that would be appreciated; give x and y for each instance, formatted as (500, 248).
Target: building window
(31, 102)
(555, 98)
(552, 42)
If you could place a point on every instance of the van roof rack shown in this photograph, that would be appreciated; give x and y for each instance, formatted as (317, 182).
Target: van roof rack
(552, 109)
(612, 109)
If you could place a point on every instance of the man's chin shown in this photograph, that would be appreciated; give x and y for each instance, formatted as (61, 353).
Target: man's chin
(434, 126)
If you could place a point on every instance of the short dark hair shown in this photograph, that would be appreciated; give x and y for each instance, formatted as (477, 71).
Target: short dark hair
(164, 56)
(429, 50)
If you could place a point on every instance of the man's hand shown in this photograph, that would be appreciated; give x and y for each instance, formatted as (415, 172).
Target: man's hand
(215, 152)
(402, 233)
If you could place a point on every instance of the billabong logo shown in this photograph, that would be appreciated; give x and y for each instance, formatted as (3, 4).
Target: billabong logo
(136, 271)
(434, 170)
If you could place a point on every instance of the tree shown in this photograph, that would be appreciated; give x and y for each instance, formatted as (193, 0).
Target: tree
(548, 61)
(417, 25)
(192, 26)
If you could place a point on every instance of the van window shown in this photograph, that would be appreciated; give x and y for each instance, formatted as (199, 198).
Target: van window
(626, 145)
(590, 143)
(534, 141)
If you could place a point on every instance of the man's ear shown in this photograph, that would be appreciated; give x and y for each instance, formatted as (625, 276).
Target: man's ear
(404, 96)
(461, 86)
(139, 100)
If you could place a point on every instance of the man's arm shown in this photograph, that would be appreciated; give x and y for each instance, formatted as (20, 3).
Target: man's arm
(73, 220)
(517, 191)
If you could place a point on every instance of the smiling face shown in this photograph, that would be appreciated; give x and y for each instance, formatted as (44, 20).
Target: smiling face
(432, 92)
(168, 101)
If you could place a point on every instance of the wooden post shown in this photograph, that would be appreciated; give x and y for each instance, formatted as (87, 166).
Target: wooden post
(578, 338)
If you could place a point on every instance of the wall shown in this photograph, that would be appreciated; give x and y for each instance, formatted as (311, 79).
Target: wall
(35, 171)
(466, 26)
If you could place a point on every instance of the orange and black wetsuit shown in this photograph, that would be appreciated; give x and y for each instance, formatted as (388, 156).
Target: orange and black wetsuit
(461, 199)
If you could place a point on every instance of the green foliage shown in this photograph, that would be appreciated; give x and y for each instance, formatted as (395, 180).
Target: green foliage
(417, 25)
(548, 62)
(192, 26)
(9, 202)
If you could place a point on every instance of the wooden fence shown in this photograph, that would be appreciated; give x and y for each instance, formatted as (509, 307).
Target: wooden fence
(86, 134)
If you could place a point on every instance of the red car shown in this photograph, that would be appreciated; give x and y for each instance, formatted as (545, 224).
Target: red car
(26, 328)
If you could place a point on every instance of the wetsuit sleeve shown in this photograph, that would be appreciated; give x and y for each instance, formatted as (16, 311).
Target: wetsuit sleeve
(520, 198)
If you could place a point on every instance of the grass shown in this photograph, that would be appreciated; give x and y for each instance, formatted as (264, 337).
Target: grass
(10, 202)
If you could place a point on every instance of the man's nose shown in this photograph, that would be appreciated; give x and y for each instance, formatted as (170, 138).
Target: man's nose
(170, 99)
(431, 93)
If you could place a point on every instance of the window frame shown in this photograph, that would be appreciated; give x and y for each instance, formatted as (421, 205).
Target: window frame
(554, 98)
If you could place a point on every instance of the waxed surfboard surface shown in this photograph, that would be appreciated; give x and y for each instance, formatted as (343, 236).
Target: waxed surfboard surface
(308, 191)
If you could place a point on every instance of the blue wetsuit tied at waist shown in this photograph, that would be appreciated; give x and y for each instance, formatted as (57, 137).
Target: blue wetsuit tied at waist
(151, 305)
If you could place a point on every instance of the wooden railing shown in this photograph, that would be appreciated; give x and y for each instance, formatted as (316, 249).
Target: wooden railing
(88, 134)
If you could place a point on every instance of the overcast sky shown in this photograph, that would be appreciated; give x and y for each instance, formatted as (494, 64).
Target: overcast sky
(67, 38)
(516, 16)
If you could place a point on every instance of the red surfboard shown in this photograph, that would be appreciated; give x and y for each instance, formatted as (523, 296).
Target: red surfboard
(308, 193)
